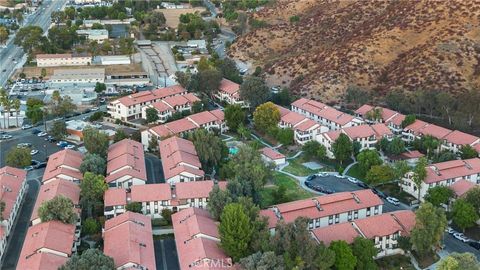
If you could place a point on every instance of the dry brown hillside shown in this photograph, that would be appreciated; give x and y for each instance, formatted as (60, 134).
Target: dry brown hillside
(378, 45)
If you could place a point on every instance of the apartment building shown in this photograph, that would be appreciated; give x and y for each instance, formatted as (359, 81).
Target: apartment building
(208, 120)
(89, 76)
(13, 185)
(229, 92)
(384, 230)
(130, 107)
(391, 118)
(167, 107)
(48, 244)
(66, 59)
(455, 140)
(52, 189)
(444, 174)
(197, 241)
(64, 164)
(180, 161)
(126, 164)
(366, 136)
(304, 128)
(326, 210)
(98, 35)
(156, 197)
(128, 240)
(419, 128)
(324, 114)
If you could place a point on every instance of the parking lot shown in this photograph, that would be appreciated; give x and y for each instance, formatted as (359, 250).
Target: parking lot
(166, 257)
(337, 184)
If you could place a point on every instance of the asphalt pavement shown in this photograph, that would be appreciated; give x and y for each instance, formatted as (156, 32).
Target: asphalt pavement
(17, 237)
(154, 169)
(166, 257)
(12, 56)
(454, 245)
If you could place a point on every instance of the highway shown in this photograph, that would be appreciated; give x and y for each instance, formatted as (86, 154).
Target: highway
(12, 56)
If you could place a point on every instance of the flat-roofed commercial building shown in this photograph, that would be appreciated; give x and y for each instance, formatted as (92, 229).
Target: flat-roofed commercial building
(58, 60)
(78, 76)
(98, 35)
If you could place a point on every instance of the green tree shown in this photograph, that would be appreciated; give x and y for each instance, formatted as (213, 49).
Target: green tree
(3, 34)
(314, 150)
(368, 158)
(285, 136)
(197, 106)
(439, 195)
(235, 231)
(18, 157)
(167, 215)
(419, 175)
(89, 259)
(93, 163)
(324, 257)
(473, 197)
(364, 250)
(400, 168)
(203, 64)
(152, 115)
(342, 148)
(16, 106)
(100, 87)
(29, 38)
(254, 91)
(459, 261)
(443, 156)
(467, 152)
(205, 82)
(217, 199)
(92, 188)
(279, 194)
(430, 224)
(59, 130)
(266, 117)
(244, 132)
(95, 141)
(230, 71)
(59, 208)
(211, 150)
(396, 146)
(259, 260)
(34, 113)
(429, 144)
(409, 119)
(380, 174)
(119, 135)
(2, 209)
(135, 207)
(344, 258)
(464, 214)
(90, 226)
(234, 116)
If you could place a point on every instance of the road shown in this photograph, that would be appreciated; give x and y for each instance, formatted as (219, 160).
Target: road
(13, 53)
(211, 7)
(154, 169)
(454, 245)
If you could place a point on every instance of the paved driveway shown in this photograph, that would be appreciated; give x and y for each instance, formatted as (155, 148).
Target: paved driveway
(154, 169)
(454, 245)
(23, 221)
(166, 256)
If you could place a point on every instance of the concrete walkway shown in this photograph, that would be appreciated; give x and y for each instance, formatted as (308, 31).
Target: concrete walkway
(348, 167)
(300, 179)
(260, 140)
(296, 155)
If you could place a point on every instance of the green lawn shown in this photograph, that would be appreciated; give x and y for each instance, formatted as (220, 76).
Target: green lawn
(357, 172)
(395, 262)
(392, 189)
(294, 191)
(296, 167)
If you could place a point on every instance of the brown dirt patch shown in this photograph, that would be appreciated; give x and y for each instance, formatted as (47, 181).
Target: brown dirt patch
(173, 15)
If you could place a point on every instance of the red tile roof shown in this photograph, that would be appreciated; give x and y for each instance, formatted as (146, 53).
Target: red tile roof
(460, 138)
(342, 231)
(283, 111)
(11, 182)
(228, 87)
(362, 131)
(126, 157)
(335, 116)
(41, 261)
(363, 110)
(397, 119)
(378, 226)
(461, 187)
(452, 169)
(196, 189)
(292, 118)
(330, 205)
(160, 106)
(149, 96)
(180, 100)
(50, 56)
(406, 219)
(205, 117)
(178, 155)
(333, 135)
(55, 188)
(66, 162)
(306, 125)
(151, 192)
(272, 154)
(434, 130)
(115, 197)
(195, 232)
(381, 130)
(416, 126)
(53, 235)
(189, 123)
(128, 239)
(411, 154)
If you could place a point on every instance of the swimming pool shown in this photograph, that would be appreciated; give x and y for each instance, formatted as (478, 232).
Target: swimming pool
(233, 150)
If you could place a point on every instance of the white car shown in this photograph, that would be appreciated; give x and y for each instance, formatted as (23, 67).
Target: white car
(339, 176)
(461, 237)
(352, 180)
(70, 146)
(393, 201)
(450, 230)
(28, 168)
(33, 152)
(6, 137)
(26, 127)
(94, 109)
(42, 134)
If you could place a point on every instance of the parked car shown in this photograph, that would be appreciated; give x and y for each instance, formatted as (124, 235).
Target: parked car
(450, 230)
(28, 168)
(27, 126)
(352, 180)
(50, 138)
(62, 143)
(42, 134)
(94, 109)
(24, 145)
(33, 152)
(35, 131)
(69, 146)
(379, 193)
(310, 177)
(475, 245)
(58, 119)
(393, 201)
(6, 137)
(339, 176)
(40, 165)
(362, 185)
(461, 237)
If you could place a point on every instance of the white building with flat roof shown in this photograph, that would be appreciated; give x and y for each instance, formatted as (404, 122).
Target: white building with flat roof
(67, 59)
(114, 60)
(78, 76)
(98, 35)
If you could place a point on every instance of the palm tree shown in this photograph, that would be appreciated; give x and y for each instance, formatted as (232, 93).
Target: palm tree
(420, 174)
(16, 106)
(7, 106)
(3, 101)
